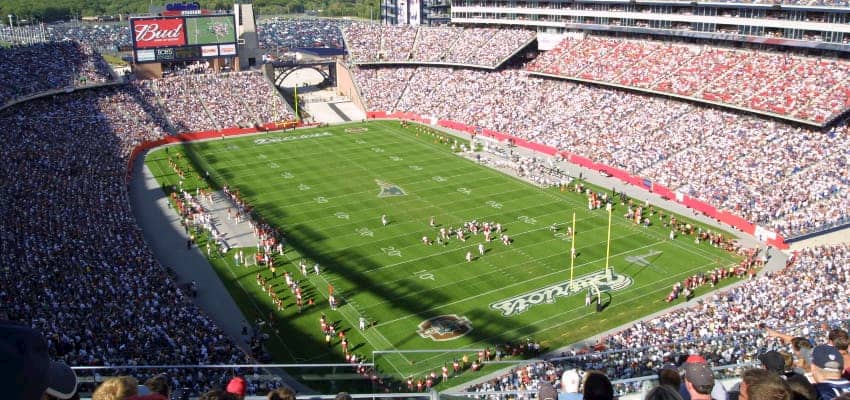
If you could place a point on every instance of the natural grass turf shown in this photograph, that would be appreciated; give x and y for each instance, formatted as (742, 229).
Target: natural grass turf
(323, 193)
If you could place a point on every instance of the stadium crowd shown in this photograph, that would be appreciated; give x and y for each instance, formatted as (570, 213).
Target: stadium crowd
(471, 46)
(726, 328)
(102, 36)
(786, 179)
(805, 87)
(278, 35)
(26, 71)
(71, 247)
(205, 102)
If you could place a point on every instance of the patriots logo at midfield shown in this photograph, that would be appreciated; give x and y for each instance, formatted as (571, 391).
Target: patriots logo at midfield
(389, 189)
(444, 327)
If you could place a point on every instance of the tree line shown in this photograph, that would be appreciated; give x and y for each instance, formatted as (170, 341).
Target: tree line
(63, 10)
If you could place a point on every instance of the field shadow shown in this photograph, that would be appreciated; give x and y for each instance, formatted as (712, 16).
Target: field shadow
(490, 327)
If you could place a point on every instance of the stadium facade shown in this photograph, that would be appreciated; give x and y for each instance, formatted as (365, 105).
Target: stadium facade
(415, 12)
(796, 25)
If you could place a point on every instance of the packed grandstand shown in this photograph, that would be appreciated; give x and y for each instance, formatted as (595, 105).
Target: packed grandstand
(75, 265)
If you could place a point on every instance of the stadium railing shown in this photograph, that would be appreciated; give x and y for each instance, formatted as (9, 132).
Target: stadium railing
(90, 377)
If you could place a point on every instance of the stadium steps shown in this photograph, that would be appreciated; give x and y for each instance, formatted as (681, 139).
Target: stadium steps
(249, 114)
(493, 35)
(207, 110)
(381, 43)
(451, 46)
(415, 43)
(404, 91)
(158, 98)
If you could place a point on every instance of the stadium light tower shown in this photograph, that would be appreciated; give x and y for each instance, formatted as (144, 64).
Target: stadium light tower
(10, 20)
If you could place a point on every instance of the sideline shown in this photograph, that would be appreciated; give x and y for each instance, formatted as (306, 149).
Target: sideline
(166, 238)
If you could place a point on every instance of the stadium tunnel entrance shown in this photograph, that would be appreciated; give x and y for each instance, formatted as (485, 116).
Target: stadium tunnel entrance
(307, 76)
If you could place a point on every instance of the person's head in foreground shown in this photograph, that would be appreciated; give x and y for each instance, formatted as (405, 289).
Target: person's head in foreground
(27, 371)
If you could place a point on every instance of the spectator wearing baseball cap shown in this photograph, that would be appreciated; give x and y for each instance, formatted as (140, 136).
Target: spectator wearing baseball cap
(701, 373)
(26, 371)
(698, 380)
(827, 365)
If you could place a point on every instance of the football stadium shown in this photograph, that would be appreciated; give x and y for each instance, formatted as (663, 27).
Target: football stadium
(565, 200)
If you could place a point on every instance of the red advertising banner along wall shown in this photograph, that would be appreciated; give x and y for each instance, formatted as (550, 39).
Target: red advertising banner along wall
(158, 32)
(698, 205)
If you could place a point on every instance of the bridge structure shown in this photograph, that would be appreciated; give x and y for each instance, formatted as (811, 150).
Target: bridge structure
(285, 68)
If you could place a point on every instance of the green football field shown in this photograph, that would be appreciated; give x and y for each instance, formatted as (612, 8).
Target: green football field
(327, 189)
(210, 30)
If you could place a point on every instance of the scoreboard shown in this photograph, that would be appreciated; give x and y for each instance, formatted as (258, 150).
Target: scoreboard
(183, 38)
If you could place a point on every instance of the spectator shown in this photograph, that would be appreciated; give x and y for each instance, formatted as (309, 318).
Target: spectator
(801, 388)
(217, 395)
(339, 396)
(27, 371)
(663, 392)
(761, 384)
(116, 388)
(773, 362)
(827, 365)
(570, 385)
(597, 386)
(155, 388)
(669, 375)
(545, 391)
(840, 339)
(284, 394)
(236, 386)
(698, 380)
